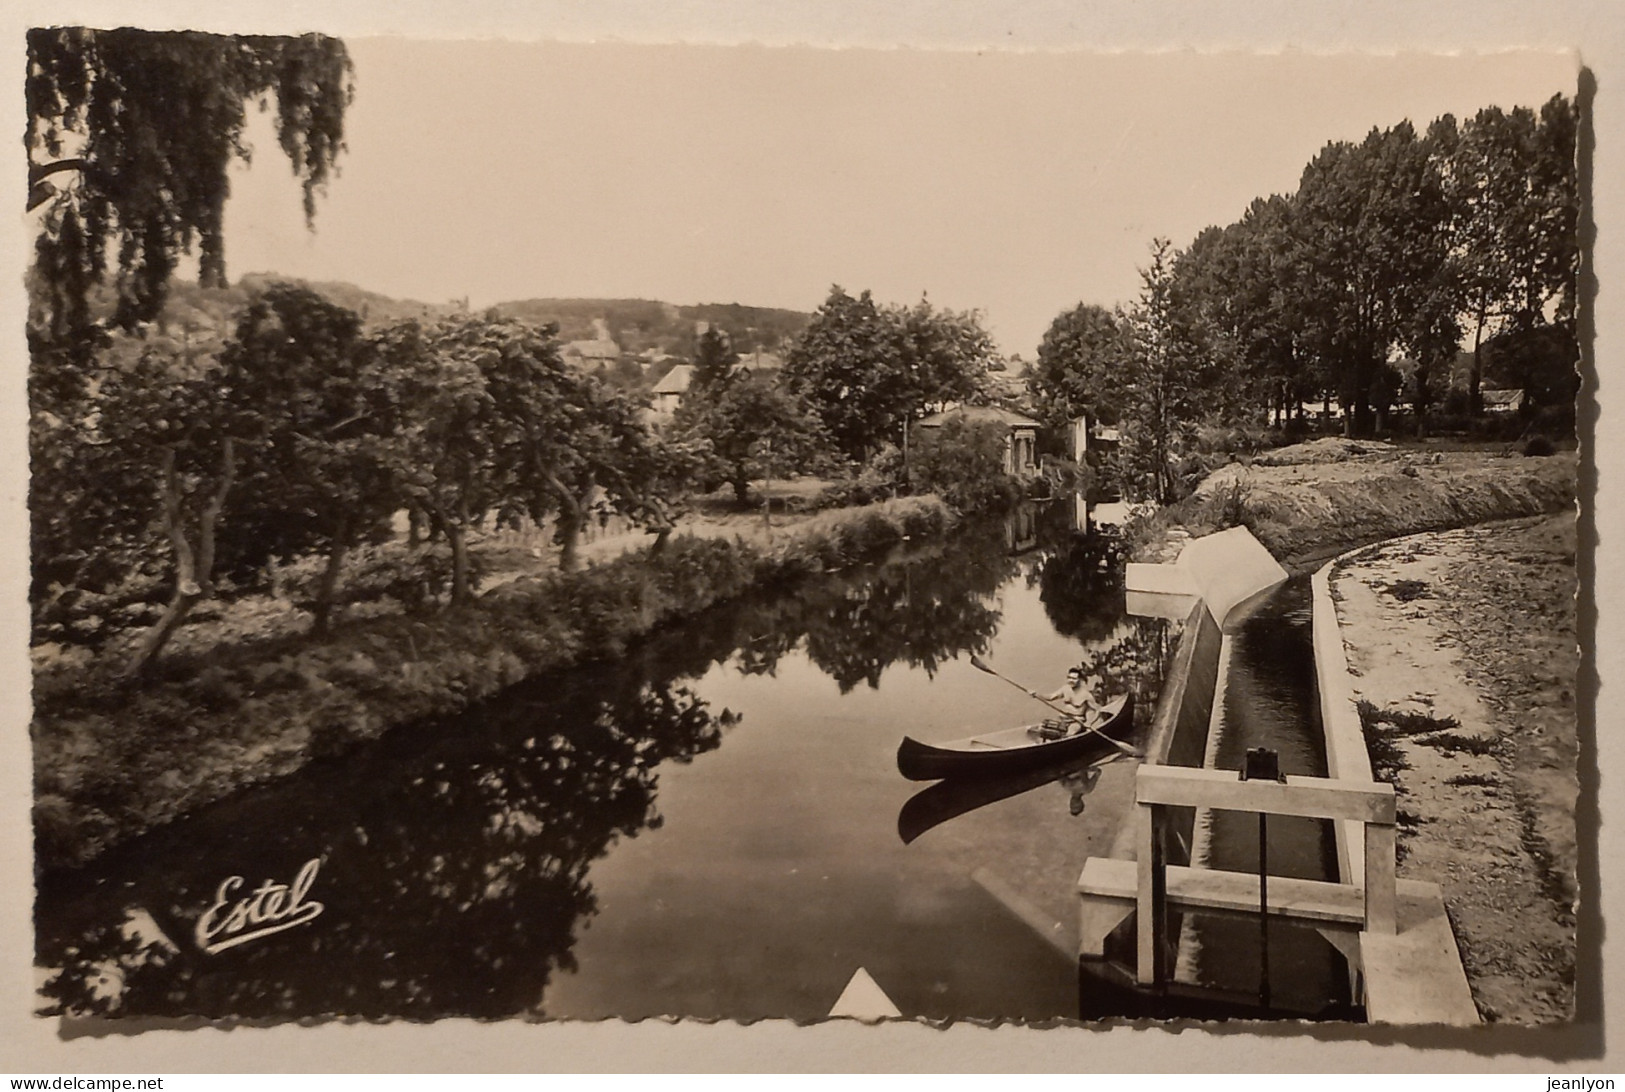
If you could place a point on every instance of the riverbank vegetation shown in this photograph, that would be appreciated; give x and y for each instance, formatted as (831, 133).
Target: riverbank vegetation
(114, 756)
(265, 525)
(1406, 275)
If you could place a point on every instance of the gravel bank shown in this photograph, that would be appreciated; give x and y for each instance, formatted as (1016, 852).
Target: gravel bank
(1464, 645)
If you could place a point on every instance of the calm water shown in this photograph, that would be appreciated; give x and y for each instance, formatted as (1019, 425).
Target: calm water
(708, 827)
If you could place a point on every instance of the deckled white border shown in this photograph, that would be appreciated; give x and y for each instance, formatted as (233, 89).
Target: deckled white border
(30, 1045)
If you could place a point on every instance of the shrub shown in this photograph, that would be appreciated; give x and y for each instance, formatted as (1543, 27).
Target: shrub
(418, 578)
(963, 462)
(1539, 446)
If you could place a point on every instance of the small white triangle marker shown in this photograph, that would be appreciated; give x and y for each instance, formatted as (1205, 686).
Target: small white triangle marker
(863, 999)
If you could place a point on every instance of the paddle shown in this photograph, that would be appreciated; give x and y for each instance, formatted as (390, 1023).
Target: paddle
(981, 665)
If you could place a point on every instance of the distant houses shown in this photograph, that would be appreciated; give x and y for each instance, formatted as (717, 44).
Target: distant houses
(1020, 433)
(668, 393)
(1081, 436)
(595, 352)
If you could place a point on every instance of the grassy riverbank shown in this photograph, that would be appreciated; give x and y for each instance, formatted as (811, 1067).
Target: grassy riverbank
(113, 758)
(1311, 501)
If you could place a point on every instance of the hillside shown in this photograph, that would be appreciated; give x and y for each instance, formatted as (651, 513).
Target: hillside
(374, 308)
(206, 316)
(637, 325)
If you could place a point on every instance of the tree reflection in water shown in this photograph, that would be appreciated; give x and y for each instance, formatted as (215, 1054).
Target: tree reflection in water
(1080, 581)
(451, 886)
(455, 855)
(922, 609)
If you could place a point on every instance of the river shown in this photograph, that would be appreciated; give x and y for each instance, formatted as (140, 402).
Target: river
(708, 827)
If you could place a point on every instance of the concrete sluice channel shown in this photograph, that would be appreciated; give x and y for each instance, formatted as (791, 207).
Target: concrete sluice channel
(1267, 698)
(1244, 677)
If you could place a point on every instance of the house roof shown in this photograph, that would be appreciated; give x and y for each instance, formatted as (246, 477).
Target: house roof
(1509, 398)
(980, 415)
(596, 349)
(760, 361)
(675, 381)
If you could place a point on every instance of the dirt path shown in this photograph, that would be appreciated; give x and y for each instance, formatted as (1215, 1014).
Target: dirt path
(1463, 643)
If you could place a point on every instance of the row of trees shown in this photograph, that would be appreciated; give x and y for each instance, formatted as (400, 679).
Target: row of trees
(304, 435)
(852, 383)
(165, 463)
(1391, 255)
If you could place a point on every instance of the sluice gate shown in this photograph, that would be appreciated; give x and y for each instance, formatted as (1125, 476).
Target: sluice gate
(1403, 964)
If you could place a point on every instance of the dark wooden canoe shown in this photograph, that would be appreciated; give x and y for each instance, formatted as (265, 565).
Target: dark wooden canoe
(1011, 750)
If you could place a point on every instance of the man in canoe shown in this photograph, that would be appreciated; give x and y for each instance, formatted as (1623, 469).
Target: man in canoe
(1079, 697)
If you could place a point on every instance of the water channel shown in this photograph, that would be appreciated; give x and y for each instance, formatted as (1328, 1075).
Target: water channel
(708, 827)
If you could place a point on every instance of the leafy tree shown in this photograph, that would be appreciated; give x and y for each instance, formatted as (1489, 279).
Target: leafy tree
(317, 475)
(1514, 200)
(846, 367)
(866, 371)
(609, 462)
(751, 425)
(945, 356)
(1239, 294)
(182, 433)
(1078, 365)
(1163, 383)
(963, 462)
(714, 360)
(447, 433)
(1372, 228)
(130, 136)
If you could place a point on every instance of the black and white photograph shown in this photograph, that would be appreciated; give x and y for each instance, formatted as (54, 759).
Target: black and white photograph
(556, 531)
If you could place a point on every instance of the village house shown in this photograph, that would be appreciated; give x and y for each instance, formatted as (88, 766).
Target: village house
(1020, 439)
(1081, 436)
(668, 393)
(590, 354)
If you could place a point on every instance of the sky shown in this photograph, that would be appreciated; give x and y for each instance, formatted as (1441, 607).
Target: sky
(1017, 184)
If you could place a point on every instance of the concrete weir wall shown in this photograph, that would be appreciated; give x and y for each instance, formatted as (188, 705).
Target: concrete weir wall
(1185, 710)
(1346, 756)
(1215, 580)
(1398, 939)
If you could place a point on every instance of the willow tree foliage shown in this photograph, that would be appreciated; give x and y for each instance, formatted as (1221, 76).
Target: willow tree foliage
(130, 136)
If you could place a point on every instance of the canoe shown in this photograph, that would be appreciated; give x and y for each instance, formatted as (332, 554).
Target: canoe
(1011, 750)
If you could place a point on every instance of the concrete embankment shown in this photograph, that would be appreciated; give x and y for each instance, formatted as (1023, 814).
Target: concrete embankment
(1308, 513)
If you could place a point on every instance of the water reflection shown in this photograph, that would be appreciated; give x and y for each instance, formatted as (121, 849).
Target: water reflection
(1080, 582)
(456, 857)
(920, 610)
(945, 800)
(450, 886)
